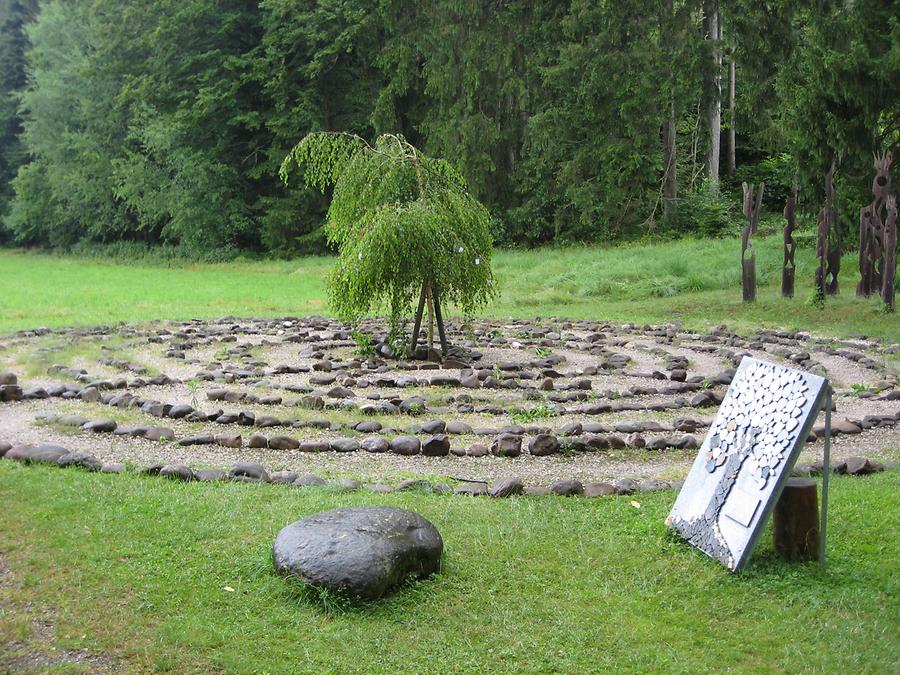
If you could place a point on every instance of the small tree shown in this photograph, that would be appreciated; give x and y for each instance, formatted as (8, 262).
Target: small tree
(404, 224)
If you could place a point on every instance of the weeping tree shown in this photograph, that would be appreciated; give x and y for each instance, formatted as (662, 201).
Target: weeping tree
(406, 228)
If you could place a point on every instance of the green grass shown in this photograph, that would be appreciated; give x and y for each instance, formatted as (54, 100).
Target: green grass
(136, 569)
(693, 281)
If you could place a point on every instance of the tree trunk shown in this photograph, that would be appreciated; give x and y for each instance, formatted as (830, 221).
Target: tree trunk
(714, 104)
(732, 164)
(670, 146)
(796, 521)
(670, 185)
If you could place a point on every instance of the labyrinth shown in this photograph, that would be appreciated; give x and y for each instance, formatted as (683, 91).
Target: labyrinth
(562, 406)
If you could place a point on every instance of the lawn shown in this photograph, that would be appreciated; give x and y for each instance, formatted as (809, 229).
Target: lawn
(136, 569)
(693, 281)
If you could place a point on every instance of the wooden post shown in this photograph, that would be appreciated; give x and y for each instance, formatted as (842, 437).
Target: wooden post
(440, 321)
(796, 521)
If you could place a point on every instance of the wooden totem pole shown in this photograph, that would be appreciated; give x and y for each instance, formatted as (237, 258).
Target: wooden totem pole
(748, 255)
(827, 222)
(878, 237)
(790, 246)
(872, 222)
(890, 253)
(833, 254)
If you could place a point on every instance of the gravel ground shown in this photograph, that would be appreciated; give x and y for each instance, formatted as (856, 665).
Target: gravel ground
(646, 352)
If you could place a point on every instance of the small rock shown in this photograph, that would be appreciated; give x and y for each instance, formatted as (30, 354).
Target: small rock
(252, 471)
(112, 467)
(344, 445)
(507, 487)
(507, 445)
(100, 426)
(599, 489)
(626, 486)
(283, 443)
(405, 445)
(436, 446)
(543, 445)
(375, 444)
(472, 489)
(284, 477)
(209, 475)
(177, 472)
(567, 488)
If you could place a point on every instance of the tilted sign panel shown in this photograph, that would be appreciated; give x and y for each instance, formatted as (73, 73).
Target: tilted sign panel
(747, 455)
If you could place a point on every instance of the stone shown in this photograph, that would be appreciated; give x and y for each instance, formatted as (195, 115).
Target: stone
(626, 486)
(6, 377)
(312, 445)
(507, 487)
(860, 466)
(405, 445)
(90, 395)
(72, 420)
(81, 460)
(41, 454)
(375, 444)
(472, 489)
(434, 427)
(160, 434)
(414, 484)
(367, 427)
(459, 428)
(599, 489)
(477, 450)
(844, 427)
(209, 475)
(254, 472)
(284, 477)
(571, 429)
(177, 472)
(100, 426)
(436, 446)
(180, 410)
(507, 445)
(414, 405)
(283, 443)
(258, 441)
(204, 439)
(567, 488)
(4, 448)
(537, 490)
(364, 552)
(344, 445)
(112, 467)
(543, 445)
(309, 480)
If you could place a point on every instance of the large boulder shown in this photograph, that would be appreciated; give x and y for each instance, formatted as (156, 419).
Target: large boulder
(364, 552)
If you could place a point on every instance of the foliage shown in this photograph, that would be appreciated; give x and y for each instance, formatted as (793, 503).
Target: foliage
(365, 345)
(399, 219)
(527, 415)
(166, 122)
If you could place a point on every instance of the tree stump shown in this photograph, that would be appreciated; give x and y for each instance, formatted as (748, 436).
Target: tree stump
(796, 521)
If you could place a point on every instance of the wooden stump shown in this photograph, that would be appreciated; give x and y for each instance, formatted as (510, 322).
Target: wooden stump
(796, 521)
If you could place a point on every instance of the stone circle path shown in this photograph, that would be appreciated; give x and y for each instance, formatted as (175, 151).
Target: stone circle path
(559, 403)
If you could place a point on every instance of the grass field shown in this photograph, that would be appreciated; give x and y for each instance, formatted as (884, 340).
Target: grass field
(149, 575)
(693, 281)
(135, 570)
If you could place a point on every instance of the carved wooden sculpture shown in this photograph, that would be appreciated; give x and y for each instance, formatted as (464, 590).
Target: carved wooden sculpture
(890, 253)
(872, 234)
(822, 234)
(748, 255)
(833, 234)
(790, 246)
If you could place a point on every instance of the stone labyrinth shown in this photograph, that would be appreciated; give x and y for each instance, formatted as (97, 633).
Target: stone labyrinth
(572, 407)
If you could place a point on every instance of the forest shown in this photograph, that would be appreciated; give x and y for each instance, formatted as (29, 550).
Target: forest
(127, 123)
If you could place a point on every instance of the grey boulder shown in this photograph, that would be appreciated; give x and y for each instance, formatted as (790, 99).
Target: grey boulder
(364, 552)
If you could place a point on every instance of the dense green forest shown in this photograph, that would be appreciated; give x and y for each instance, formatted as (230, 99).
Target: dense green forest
(580, 120)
